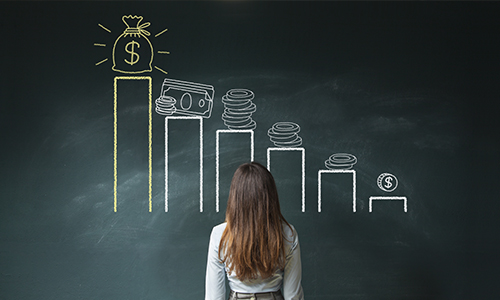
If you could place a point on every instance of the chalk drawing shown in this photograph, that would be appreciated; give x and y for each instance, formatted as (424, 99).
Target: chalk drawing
(185, 98)
(238, 109)
(160, 33)
(102, 26)
(353, 172)
(201, 157)
(387, 182)
(132, 51)
(285, 135)
(303, 151)
(388, 198)
(100, 62)
(150, 137)
(341, 161)
(217, 151)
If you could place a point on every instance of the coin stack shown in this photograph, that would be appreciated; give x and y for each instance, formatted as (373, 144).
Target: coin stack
(165, 105)
(239, 109)
(341, 161)
(285, 135)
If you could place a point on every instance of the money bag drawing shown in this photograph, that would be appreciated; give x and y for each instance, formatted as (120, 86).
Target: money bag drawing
(133, 52)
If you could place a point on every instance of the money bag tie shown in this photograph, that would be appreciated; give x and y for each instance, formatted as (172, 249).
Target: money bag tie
(133, 52)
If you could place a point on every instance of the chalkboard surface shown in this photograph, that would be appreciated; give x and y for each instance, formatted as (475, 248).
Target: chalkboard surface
(123, 122)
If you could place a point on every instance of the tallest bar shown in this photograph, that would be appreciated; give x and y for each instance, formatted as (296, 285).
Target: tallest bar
(134, 104)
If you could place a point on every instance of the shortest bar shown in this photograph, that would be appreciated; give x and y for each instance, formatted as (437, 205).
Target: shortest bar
(388, 198)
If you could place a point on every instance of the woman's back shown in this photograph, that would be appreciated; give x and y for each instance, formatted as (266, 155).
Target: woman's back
(256, 248)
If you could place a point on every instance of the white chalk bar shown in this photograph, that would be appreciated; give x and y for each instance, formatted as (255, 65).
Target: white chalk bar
(388, 198)
(303, 152)
(200, 119)
(353, 172)
(250, 132)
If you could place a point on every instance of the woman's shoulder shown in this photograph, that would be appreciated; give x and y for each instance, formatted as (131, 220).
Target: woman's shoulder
(218, 230)
(219, 227)
(289, 231)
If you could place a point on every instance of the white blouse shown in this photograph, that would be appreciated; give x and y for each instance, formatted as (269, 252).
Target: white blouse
(288, 280)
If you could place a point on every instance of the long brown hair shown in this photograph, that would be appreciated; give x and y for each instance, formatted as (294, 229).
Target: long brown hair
(252, 243)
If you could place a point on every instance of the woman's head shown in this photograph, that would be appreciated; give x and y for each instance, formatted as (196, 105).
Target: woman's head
(252, 243)
(253, 195)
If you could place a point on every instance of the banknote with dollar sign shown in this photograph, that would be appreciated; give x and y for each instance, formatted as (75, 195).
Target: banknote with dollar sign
(132, 51)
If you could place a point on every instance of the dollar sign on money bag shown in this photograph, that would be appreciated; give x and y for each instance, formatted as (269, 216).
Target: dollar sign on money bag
(132, 51)
(134, 57)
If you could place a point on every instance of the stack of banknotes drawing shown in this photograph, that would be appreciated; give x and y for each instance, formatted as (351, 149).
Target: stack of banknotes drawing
(238, 109)
(285, 135)
(185, 98)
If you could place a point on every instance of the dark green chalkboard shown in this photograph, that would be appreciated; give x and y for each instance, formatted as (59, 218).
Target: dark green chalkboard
(409, 89)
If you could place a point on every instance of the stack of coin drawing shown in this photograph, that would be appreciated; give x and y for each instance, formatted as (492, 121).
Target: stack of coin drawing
(285, 134)
(165, 105)
(239, 109)
(341, 161)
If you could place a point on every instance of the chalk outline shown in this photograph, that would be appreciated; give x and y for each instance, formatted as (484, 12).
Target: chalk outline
(341, 161)
(109, 31)
(208, 92)
(252, 148)
(201, 156)
(291, 130)
(142, 32)
(303, 150)
(98, 63)
(353, 172)
(161, 70)
(150, 136)
(235, 97)
(156, 35)
(160, 33)
(383, 176)
(388, 198)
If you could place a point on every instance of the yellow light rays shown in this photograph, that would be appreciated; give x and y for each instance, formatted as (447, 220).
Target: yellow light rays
(101, 62)
(158, 34)
(161, 70)
(104, 28)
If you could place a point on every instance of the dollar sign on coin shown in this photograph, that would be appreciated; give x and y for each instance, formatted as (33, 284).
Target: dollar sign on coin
(387, 182)
(134, 57)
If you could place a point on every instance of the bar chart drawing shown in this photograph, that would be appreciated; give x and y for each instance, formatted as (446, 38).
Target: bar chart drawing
(200, 119)
(388, 198)
(217, 159)
(303, 152)
(353, 172)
